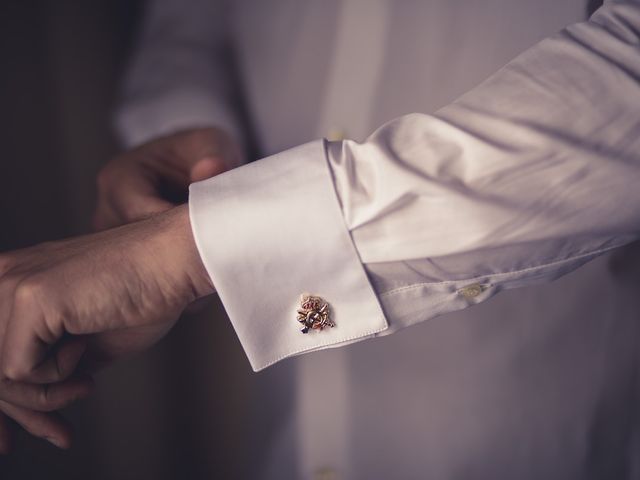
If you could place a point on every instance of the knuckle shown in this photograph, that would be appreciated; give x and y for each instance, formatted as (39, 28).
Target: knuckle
(13, 372)
(37, 305)
(28, 291)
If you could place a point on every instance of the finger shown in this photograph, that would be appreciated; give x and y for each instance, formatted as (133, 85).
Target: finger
(49, 426)
(124, 199)
(59, 364)
(6, 435)
(27, 355)
(138, 196)
(128, 208)
(140, 207)
(206, 168)
(27, 352)
(46, 398)
(24, 345)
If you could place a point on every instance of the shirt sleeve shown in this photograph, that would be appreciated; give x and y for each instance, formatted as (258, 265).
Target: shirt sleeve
(180, 74)
(521, 180)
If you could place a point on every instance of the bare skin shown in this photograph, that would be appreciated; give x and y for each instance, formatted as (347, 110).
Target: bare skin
(156, 176)
(94, 298)
(76, 305)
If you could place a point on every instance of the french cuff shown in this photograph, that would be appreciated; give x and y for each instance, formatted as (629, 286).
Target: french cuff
(270, 231)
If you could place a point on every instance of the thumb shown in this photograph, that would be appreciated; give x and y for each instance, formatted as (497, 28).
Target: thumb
(207, 167)
(128, 209)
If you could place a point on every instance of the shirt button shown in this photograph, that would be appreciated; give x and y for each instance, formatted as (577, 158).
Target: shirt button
(471, 291)
(325, 474)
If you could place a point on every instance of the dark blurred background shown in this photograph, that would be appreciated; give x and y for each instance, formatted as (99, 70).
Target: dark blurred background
(180, 410)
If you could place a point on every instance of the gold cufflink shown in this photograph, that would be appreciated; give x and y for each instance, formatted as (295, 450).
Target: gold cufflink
(314, 313)
(471, 291)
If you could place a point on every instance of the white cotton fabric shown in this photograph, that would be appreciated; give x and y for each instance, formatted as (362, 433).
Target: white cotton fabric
(524, 178)
(230, 215)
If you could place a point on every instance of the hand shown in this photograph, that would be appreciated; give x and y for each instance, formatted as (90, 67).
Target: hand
(155, 176)
(112, 293)
(32, 406)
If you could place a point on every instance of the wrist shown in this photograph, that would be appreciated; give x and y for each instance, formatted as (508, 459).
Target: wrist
(182, 258)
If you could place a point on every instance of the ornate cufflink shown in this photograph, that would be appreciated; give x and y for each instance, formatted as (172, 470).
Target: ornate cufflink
(314, 313)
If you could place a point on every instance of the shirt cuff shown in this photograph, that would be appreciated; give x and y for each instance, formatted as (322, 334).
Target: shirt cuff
(139, 121)
(270, 231)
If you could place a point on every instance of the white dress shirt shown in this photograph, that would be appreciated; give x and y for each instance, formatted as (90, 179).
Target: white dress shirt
(521, 180)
